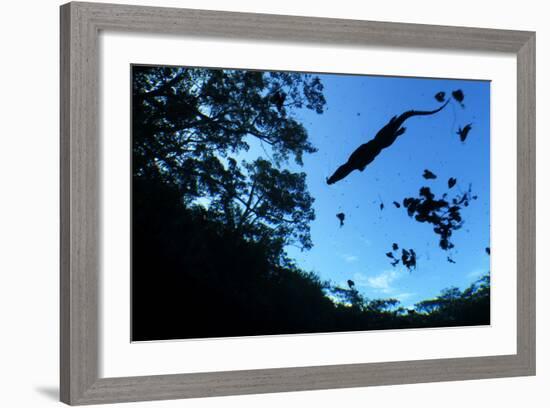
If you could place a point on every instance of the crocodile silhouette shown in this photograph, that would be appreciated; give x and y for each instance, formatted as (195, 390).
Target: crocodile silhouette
(385, 137)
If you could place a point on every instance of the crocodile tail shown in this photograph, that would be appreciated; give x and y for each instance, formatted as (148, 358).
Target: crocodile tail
(412, 113)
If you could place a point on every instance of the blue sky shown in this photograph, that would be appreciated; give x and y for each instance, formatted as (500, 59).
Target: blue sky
(357, 107)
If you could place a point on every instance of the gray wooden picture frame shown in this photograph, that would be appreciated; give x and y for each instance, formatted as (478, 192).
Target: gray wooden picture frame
(80, 189)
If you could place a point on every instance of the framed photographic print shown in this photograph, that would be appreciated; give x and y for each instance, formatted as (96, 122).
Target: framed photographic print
(259, 203)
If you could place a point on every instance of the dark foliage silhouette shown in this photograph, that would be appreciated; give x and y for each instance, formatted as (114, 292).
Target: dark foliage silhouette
(451, 182)
(341, 217)
(458, 95)
(279, 100)
(179, 290)
(464, 131)
(189, 126)
(408, 258)
(428, 175)
(396, 204)
(440, 97)
(445, 216)
(367, 152)
(453, 304)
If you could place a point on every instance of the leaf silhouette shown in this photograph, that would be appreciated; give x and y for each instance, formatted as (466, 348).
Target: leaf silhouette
(463, 132)
(458, 95)
(408, 258)
(440, 96)
(341, 217)
(428, 175)
(443, 215)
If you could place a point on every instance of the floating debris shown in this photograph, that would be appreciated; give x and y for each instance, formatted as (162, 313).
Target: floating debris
(428, 175)
(397, 205)
(463, 132)
(443, 215)
(408, 258)
(341, 217)
(440, 97)
(451, 182)
(459, 96)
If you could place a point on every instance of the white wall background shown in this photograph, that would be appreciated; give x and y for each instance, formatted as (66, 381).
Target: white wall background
(29, 204)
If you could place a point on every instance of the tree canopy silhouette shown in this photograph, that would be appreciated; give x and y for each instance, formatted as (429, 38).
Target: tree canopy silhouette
(193, 126)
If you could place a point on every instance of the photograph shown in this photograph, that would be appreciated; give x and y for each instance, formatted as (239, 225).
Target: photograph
(269, 202)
